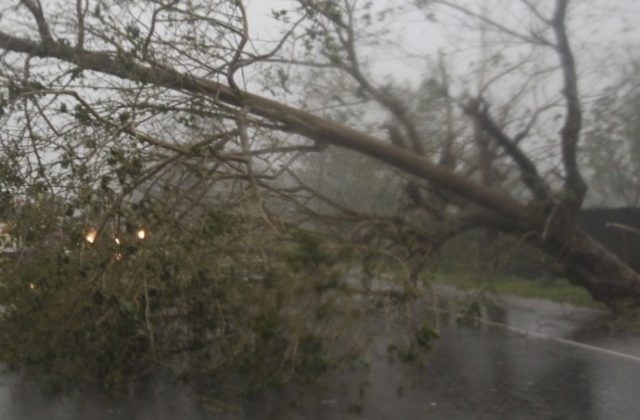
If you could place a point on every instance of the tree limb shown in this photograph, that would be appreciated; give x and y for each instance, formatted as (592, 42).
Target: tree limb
(528, 170)
(43, 27)
(575, 188)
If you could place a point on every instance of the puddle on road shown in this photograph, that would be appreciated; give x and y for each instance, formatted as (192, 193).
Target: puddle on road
(476, 371)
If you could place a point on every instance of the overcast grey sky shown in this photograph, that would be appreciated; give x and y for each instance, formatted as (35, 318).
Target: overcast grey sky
(603, 33)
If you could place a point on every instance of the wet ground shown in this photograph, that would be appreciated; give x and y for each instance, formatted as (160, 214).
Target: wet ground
(563, 368)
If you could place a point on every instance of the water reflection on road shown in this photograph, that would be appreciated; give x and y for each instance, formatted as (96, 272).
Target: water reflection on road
(476, 372)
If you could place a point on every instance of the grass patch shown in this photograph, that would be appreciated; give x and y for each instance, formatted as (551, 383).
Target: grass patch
(556, 289)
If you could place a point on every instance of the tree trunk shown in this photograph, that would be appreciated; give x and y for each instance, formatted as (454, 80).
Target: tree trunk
(589, 265)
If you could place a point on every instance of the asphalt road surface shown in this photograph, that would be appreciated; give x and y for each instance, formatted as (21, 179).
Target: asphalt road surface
(530, 360)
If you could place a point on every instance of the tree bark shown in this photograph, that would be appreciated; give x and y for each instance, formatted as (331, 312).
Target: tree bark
(590, 265)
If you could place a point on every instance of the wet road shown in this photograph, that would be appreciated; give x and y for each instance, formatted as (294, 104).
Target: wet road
(476, 372)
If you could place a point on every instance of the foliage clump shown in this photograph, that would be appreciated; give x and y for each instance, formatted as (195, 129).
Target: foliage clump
(214, 299)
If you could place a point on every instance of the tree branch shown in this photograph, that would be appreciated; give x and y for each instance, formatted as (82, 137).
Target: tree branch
(528, 170)
(575, 187)
(80, 14)
(43, 27)
(527, 38)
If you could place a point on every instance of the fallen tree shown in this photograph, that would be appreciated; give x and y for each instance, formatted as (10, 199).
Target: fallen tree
(546, 218)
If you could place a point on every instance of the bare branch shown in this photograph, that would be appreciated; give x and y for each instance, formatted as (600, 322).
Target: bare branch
(43, 27)
(345, 30)
(530, 176)
(246, 150)
(128, 128)
(322, 197)
(575, 187)
(244, 38)
(527, 38)
(269, 55)
(152, 26)
(288, 149)
(536, 12)
(80, 15)
(448, 158)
